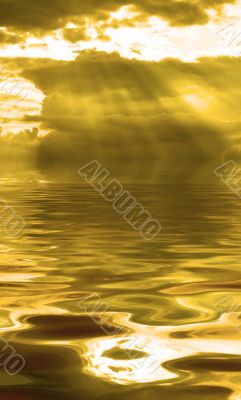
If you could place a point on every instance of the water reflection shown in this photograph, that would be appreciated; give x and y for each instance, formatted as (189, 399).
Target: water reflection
(164, 294)
(143, 356)
(129, 360)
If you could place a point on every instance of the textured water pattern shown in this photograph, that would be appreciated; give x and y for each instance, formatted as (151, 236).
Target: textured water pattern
(162, 316)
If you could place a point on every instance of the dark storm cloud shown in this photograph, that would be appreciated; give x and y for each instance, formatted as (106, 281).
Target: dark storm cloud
(102, 104)
(45, 14)
(111, 82)
(98, 74)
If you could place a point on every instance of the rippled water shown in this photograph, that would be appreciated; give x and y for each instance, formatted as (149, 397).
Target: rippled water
(99, 313)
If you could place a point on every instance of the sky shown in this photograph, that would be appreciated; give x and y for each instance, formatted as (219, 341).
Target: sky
(136, 79)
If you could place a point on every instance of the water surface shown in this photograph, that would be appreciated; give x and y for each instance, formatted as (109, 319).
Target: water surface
(161, 317)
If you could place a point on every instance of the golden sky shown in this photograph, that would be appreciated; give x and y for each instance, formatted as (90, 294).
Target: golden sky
(119, 71)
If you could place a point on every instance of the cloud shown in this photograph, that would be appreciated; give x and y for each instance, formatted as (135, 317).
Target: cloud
(9, 37)
(99, 84)
(169, 114)
(21, 147)
(47, 15)
(75, 35)
(103, 106)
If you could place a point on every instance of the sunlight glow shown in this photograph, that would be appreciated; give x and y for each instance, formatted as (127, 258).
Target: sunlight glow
(130, 370)
(195, 101)
(139, 358)
(126, 12)
(152, 40)
(18, 97)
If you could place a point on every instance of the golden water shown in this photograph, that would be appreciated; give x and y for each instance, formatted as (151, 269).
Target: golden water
(173, 301)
